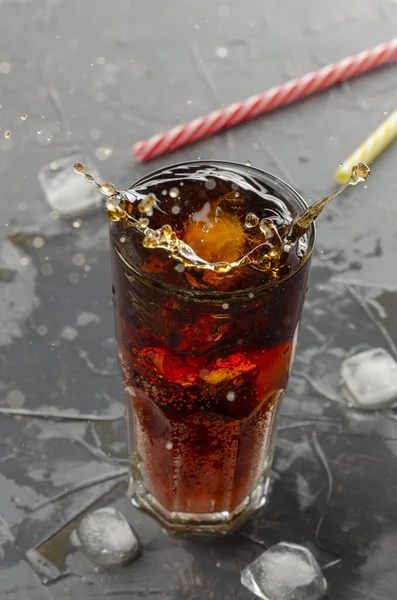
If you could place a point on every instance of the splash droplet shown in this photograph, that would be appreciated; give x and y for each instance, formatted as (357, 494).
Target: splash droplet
(107, 188)
(24, 116)
(79, 168)
(7, 134)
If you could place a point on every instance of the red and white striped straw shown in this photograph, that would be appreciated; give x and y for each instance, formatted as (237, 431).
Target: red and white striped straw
(266, 101)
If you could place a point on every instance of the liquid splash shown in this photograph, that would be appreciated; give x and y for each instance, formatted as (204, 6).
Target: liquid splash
(121, 207)
(136, 209)
(359, 174)
(108, 189)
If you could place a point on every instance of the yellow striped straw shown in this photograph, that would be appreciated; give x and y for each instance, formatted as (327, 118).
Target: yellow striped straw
(371, 148)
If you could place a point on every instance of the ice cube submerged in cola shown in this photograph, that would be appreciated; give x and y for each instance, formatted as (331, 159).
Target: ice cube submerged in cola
(208, 288)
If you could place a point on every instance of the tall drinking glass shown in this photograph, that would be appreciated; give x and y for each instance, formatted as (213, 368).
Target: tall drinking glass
(205, 356)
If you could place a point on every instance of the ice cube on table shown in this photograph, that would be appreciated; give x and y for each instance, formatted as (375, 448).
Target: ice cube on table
(369, 379)
(67, 192)
(285, 572)
(107, 538)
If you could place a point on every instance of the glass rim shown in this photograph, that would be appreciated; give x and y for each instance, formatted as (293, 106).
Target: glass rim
(222, 295)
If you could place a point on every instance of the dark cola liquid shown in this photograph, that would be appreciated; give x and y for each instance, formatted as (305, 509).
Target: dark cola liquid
(205, 355)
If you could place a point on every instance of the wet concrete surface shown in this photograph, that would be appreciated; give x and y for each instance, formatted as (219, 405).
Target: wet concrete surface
(94, 77)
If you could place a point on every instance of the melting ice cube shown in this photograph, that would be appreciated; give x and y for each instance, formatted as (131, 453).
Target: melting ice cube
(369, 379)
(214, 234)
(106, 537)
(285, 572)
(66, 192)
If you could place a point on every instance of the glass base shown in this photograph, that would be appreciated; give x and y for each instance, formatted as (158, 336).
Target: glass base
(183, 523)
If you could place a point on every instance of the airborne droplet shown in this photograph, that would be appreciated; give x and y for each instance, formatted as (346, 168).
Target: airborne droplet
(79, 168)
(107, 188)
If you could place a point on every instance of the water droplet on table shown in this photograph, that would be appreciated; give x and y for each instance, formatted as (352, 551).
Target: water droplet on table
(5, 68)
(222, 52)
(103, 152)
